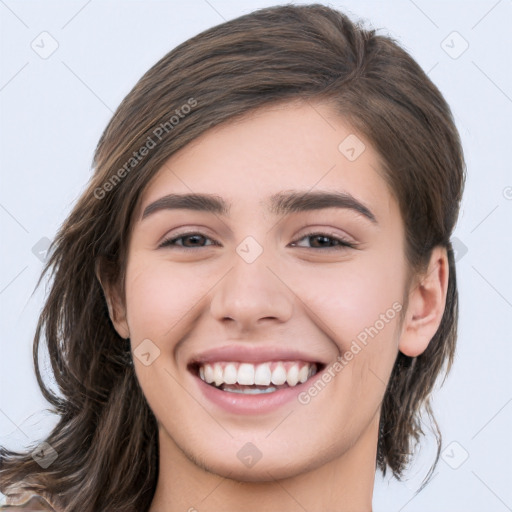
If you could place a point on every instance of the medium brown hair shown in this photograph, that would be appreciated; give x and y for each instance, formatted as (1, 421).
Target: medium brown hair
(106, 436)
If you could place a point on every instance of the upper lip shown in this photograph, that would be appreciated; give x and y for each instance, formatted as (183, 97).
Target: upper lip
(252, 354)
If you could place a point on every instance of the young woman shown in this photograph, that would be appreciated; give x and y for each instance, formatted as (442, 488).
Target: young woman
(254, 297)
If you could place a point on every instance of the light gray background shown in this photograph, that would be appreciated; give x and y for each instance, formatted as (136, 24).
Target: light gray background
(54, 109)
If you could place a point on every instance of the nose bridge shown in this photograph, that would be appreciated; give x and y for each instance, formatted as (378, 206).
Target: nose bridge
(251, 291)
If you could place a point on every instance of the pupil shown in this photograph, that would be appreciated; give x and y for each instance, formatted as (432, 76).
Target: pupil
(322, 239)
(196, 237)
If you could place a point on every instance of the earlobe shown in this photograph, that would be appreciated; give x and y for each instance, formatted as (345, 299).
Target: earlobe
(116, 308)
(427, 301)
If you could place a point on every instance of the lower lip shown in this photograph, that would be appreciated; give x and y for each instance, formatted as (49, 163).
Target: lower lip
(239, 403)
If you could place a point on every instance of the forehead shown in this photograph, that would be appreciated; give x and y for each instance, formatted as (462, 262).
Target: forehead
(300, 146)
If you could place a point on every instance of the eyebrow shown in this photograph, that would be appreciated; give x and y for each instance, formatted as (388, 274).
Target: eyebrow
(282, 203)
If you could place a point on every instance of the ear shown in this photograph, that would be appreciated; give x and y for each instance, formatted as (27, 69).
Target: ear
(427, 300)
(115, 303)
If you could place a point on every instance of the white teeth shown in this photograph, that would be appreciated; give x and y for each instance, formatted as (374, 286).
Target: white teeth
(263, 374)
(246, 374)
(303, 374)
(250, 391)
(292, 377)
(279, 375)
(230, 374)
(218, 374)
(208, 373)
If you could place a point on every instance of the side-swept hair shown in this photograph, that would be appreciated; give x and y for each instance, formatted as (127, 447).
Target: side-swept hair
(106, 436)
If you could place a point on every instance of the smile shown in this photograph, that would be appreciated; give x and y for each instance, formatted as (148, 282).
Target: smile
(260, 378)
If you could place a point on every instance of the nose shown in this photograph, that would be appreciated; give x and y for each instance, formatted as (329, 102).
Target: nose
(252, 294)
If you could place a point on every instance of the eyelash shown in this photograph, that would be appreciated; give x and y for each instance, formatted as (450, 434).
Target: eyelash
(341, 242)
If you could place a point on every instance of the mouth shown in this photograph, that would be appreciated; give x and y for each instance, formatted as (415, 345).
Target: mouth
(255, 378)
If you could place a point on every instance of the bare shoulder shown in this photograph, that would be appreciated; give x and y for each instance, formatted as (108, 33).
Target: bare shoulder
(34, 504)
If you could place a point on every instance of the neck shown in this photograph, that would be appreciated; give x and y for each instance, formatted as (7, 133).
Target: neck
(343, 484)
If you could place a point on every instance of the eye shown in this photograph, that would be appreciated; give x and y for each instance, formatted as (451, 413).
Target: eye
(188, 241)
(194, 240)
(325, 241)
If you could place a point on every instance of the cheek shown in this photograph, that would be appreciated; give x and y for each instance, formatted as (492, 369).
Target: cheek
(358, 308)
(351, 300)
(158, 297)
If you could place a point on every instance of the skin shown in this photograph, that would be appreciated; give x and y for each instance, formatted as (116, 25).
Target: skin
(317, 456)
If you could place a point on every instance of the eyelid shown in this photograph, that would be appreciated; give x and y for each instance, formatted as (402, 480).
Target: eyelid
(186, 229)
(176, 236)
(328, 231)
(344, 242)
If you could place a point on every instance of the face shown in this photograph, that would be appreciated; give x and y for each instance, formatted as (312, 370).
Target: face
(294, 264)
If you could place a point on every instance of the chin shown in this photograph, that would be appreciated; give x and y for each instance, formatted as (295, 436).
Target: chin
(266, 469)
